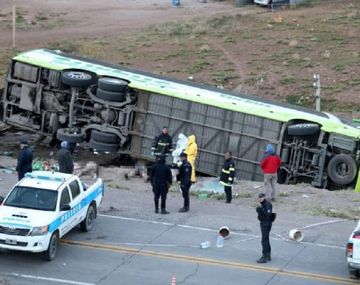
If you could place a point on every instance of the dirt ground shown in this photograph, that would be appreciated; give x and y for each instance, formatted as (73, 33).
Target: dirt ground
(300, 199)
(45, 21)
(272, 54)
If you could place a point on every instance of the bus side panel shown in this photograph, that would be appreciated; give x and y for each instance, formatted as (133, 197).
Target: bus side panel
(216, 130)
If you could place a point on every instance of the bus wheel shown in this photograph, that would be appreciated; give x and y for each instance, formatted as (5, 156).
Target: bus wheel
(113, 84)
(282, 175)
(106, 147)
(104, 137)
(304, 129)
(110, 95)
(342, 169)
(69, 136)
(79, 79)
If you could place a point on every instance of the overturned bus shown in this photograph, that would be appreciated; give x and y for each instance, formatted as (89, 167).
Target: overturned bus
(117, 109)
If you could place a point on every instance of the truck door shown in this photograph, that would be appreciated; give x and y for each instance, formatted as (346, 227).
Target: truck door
(65, 218)
(77, 205)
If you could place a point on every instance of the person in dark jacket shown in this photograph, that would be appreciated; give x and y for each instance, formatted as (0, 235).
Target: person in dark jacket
(162, 144)
(160, 179)
(265, 218)
(66, 164)
(227, 176)
(24, 161)
(270, 166)
(185, 171)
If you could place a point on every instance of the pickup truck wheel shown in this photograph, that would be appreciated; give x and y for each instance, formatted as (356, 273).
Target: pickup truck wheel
(87, 224)
(342, 169)
(113, 84)
(69, 136)
(79, 79)
(305, 129)
(110, 96)
(104, 137)
(354, 273)
(106, 147)
(50, 253)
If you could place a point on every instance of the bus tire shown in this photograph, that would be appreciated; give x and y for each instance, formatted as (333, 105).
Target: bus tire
(66, 134)
(50, 253)
(79, 79)
(304, 129)
(104, 137)
(281, 176)
(106, 147)
(342, 169)
(110, 96)
(113, 84)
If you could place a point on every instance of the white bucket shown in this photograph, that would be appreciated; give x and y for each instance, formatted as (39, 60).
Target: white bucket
(224, 232)
(296, 235)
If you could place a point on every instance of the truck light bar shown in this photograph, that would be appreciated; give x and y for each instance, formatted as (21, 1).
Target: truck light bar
(44, 177)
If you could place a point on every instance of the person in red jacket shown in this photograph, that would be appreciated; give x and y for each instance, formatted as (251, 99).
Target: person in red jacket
(270, 166)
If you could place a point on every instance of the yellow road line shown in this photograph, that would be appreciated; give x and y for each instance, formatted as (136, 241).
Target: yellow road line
(213, 262)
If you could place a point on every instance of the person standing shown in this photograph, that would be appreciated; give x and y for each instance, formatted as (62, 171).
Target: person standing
(270, 166)
(185, 172)
(227, 176)
(191, 151)
(162, 144)
(265, 217)
(160, 179)
(66, 164)
(24, 161)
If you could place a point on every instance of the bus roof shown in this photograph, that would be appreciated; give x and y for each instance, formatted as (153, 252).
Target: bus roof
(186, 90)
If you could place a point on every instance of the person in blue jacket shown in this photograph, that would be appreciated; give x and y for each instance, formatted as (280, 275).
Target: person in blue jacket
(24, 161)
(160, 179)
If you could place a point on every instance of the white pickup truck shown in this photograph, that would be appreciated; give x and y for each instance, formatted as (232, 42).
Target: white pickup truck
(353, 252)
(42, 207)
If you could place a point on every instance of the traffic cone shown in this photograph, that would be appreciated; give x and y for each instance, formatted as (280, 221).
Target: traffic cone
(173, 280)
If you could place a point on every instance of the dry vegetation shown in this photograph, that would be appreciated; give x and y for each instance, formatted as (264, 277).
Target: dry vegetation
(270, 54)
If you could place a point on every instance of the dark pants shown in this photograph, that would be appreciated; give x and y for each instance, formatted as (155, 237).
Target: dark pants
(160, 191)
(185, 189)
(265, 241)
(228, 193)
(22, 172)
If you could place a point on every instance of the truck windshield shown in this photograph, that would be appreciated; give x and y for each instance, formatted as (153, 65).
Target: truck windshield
(32, 198)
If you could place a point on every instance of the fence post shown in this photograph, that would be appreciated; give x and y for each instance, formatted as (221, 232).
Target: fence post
(13, 25)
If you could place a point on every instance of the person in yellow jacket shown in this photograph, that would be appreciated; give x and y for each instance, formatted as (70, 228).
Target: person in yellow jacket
(191, 151)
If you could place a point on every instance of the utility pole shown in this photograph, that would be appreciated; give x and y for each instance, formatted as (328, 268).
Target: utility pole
(317, 85)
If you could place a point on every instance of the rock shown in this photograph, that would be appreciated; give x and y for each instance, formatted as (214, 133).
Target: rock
(205, 48)
(293, 43)
(296, 56)
(326, 54)
(278, 19)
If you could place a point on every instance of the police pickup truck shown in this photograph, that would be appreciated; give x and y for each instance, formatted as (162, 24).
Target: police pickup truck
(353, 252)
(42, 207)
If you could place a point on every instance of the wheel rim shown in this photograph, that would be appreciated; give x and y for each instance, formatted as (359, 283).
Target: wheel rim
(53, 246)
(90, 217)
(342, 169)
(79, 75)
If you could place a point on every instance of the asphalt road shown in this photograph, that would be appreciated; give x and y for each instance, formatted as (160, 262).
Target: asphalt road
(129, 247)
(122, 250)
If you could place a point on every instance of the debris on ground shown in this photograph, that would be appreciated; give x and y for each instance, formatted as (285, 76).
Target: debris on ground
(45, 165)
